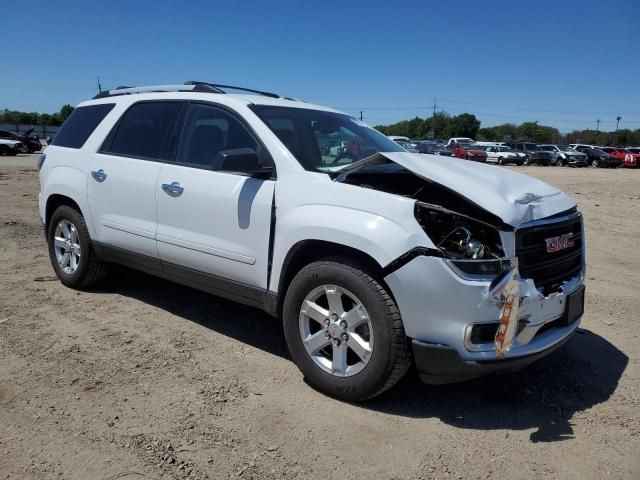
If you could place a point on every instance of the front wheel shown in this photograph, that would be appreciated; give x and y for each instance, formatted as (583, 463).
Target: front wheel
(70, 250)
(344, 330)
(595, 163)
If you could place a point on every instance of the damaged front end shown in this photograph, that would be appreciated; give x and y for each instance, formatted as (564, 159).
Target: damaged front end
(489, 251)
(493, 286)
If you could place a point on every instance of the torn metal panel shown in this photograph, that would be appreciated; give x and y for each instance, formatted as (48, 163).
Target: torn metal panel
(507, 290)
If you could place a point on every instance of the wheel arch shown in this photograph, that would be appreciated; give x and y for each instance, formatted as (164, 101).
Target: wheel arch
(306, 252)
(57, 200)
(64, 185)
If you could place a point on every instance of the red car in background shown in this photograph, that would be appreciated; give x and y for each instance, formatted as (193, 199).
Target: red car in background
(631, 160)
(468, 151)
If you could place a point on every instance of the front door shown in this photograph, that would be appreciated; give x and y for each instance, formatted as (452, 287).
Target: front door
(212, 221)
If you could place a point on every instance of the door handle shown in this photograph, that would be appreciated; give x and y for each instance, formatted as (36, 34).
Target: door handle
(172, 189)
(99, 176)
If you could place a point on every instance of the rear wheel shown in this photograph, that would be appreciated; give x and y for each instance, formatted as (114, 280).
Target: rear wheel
(526, 162)
(344, 330)
(595, 163)
(4, 150)
(72, 256)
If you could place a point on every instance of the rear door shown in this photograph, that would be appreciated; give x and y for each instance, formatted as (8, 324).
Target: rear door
(212, 221)
(124, 173)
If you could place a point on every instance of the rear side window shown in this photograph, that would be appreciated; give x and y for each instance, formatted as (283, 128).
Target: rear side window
(146, 130)
(80, 125)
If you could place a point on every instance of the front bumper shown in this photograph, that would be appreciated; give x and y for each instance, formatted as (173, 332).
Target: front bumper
(440, 306)
(438, 364)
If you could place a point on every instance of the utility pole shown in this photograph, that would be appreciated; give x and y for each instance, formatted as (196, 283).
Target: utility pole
(435, 105)
(99, 86)
(360, 115)
(597, 129)
(618, 118)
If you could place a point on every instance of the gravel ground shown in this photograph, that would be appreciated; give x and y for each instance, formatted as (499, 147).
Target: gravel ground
(143, 378)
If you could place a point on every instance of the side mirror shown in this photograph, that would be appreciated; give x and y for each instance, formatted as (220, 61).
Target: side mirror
(241, 160)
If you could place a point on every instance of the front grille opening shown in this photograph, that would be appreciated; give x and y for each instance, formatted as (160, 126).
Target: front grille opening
(549, 270)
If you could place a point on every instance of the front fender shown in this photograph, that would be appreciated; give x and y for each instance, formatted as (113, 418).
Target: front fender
(383, 239)
(69, 182)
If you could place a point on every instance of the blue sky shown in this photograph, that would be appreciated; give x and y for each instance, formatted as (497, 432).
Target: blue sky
(563, 63)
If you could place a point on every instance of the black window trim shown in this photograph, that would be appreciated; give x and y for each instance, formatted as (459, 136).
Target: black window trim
(177, 132)
(80, 147)
(108, 140)
(264, 151)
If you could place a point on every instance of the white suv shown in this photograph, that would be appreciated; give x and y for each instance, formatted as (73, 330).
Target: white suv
(374, 258)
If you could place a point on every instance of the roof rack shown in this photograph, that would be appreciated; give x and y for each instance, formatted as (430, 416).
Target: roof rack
(232, 87)
(191, 86)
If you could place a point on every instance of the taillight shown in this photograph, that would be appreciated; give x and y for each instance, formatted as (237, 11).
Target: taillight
(41, 160)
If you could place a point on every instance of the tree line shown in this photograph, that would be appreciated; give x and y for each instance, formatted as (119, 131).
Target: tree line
(34, 118)
(442, 125)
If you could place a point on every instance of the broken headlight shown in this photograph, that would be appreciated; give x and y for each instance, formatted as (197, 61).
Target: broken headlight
(471, 245)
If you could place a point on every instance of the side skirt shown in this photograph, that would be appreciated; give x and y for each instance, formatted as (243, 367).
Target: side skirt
(219, 286)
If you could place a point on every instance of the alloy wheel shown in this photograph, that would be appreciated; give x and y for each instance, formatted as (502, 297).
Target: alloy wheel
(336, 330)
(66, 245)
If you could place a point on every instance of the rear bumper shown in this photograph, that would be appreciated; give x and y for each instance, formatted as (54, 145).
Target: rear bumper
(440, 364)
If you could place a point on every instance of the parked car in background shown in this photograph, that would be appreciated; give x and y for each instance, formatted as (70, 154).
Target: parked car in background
(598, 158)
(468, 151)
(564, 155)
(10, 147)
(535, 155)
(433, 148)
(460, 141)
(30, 142)
(397, 138)
(584, 145)
(503, 155)
(630, 159)
(634, 149)
(408, 145)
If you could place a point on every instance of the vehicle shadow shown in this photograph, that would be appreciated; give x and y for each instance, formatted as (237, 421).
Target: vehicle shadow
(545, 396)
(245, 324)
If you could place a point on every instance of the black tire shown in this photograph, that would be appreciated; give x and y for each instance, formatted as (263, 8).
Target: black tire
(390, 356)
(500, 162)
(90, 269)
(526, 162)
(4, 151)
(595, 163)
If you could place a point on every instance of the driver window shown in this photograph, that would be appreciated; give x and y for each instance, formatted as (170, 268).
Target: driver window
(208, 131)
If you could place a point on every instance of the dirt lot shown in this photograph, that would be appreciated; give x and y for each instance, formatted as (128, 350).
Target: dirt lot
(143, 378)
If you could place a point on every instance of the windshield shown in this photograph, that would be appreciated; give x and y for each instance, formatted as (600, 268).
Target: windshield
(506, 149)
(566, 148)
(320, 140)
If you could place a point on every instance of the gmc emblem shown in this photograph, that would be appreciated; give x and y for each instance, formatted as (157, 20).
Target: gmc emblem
(555, 244)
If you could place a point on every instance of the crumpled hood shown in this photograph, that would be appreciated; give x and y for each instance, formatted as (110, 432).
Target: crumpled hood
(512, 196)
